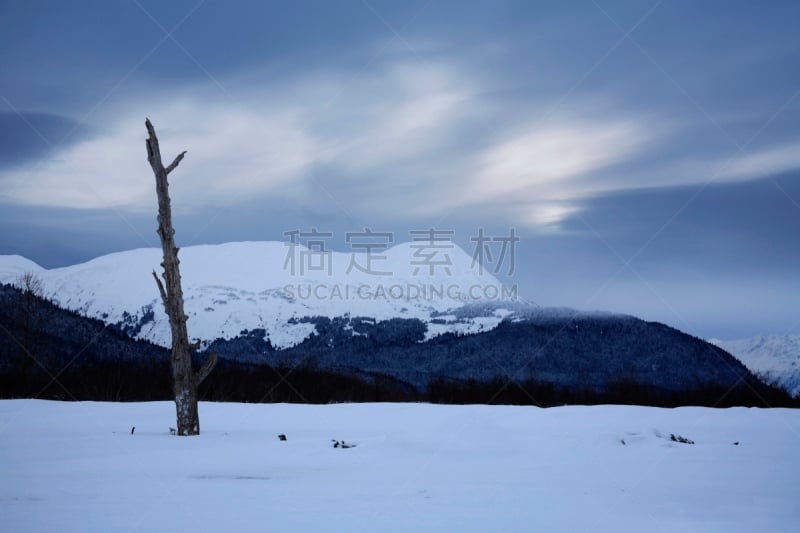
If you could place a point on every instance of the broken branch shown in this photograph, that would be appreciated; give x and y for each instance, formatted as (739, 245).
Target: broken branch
(160, 288)
(174, 164)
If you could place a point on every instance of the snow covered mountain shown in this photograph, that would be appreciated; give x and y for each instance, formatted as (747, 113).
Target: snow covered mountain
(229, 288)
(774, 359)
(400, 314)
(337, 314)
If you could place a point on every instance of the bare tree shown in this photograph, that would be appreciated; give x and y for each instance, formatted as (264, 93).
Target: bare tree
(184, 378)
(30, 284)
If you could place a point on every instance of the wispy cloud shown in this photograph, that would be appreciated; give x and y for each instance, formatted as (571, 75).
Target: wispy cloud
(404, 138)
(545, 167)
(227, 147)
(763, 161)
(266, 141)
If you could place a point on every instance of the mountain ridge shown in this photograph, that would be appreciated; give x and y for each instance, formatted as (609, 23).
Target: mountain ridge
(248, 285)
(774, 358)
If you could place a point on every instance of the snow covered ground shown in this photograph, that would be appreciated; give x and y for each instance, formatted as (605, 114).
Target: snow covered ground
(76, 467)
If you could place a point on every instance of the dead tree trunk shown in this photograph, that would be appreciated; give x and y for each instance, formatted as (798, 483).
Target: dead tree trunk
(184, 378)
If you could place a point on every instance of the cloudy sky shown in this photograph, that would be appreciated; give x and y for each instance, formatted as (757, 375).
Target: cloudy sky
(648, 153)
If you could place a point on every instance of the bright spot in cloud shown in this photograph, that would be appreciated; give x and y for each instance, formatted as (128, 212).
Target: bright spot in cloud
(550, 154)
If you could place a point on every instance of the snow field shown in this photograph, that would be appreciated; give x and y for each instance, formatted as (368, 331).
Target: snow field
(76, 467)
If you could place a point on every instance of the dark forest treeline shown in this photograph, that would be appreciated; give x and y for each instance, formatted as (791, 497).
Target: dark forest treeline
(126, 381)
(624, 392)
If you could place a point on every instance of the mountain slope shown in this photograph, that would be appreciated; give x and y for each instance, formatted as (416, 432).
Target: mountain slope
(775, 359)
(252, 285)
(573, 351)
(46, 351)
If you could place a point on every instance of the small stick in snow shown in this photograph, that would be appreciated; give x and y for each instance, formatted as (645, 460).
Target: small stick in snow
(133, 428)
(678, 438)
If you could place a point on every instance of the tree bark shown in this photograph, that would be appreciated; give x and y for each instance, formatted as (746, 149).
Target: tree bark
(184, 378)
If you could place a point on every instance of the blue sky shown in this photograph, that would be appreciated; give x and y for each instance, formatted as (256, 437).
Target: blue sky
(648, 153)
